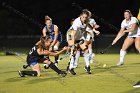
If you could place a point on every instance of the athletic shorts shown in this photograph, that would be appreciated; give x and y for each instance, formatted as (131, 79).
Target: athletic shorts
(58, 39)
(33, 63)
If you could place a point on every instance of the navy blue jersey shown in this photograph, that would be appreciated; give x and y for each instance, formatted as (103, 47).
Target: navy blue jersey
(33, 55)
(52, 33)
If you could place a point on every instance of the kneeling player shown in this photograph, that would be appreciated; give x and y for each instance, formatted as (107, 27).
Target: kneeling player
(36, 56)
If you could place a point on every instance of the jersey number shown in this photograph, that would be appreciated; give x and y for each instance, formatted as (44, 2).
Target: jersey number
(32, 50)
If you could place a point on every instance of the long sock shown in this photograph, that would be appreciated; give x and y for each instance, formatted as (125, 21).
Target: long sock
(56, 58)
(87, 61)
(77, 57)
(122, 55)
(52, 66)
(90, 50)
(71, 63)
(30, 73)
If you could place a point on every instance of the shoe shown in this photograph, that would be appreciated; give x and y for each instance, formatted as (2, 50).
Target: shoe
(87, 69)
(63, 73)
(71, 71)
(120, 63)
(137, 85)
(21, 74)
(46, 66)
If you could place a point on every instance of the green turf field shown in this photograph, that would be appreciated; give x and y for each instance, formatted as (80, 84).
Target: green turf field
(110, 79)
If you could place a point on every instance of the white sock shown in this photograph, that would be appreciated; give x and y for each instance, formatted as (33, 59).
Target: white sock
(86, 57)
(90, 50)
(71, 63)
(122, 55)
(77, 58)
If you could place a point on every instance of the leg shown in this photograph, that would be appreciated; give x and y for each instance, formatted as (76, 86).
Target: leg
(52, 66)
(84, 47)
(137, 43)
(128, 42)
(77, 58)
(71, 62)
(90, 52)
(56, 57)
(35, 71)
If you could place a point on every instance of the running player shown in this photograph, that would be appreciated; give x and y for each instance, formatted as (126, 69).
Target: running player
(74, 35)
(53, 31)
(137, 85)
(131, 26)
(36, 56)
(95, 26)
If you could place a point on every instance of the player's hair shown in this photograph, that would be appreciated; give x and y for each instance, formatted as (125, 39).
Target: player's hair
(90, 14)
(41, 43)
(47, 18)
(85, 11)
(128, 12)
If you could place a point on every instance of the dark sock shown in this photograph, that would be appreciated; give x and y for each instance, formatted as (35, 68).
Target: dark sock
(56, 58)
(52, 66)
(29, 73)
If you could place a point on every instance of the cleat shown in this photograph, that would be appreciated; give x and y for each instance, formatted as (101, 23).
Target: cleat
(21, 74)
(87, 69)
(137, 85)
(63, 73)
(72, 72)
(120, 63)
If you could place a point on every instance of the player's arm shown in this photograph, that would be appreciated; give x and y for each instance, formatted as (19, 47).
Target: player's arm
(94, 30)
(75, 27)
(48, 53)
(44, 31)
(55, 35)
(134, 26)
(119, 35)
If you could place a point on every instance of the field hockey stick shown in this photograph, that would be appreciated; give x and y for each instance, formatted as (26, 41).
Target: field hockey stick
(17, 55)
(67, 54)
(105, 49)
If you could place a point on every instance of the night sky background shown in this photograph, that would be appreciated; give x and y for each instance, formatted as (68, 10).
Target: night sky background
(106, 13)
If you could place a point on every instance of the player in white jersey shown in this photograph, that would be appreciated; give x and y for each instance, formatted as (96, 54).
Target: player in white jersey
(74, 35)
(131, 26)
(93, 24)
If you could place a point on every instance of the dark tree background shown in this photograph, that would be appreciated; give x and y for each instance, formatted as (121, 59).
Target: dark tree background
(61, 11)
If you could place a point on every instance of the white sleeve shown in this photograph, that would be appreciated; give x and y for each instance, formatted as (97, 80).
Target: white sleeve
(123, 24)
(75, 25)
(92, 22)
(134, 20)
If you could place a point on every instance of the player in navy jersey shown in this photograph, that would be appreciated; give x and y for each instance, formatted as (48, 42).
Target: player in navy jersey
(36, 56)
(53, 31)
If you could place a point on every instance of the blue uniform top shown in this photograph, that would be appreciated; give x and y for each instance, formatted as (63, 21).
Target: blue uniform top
(52, 33)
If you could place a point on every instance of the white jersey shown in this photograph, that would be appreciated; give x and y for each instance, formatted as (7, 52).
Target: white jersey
(127, 25)
(92, 23)
(79, 27)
